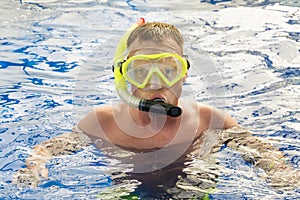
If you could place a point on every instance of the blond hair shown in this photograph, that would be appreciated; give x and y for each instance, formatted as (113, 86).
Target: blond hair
(156, 32)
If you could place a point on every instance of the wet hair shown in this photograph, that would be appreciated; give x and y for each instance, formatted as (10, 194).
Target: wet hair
(156, 32)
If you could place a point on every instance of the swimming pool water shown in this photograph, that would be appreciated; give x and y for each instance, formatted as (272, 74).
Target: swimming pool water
(55, 59)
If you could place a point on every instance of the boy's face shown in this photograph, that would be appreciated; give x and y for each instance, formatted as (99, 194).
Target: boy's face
(156, 88)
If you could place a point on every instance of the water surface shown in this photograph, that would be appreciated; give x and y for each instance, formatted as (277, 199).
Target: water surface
(55, 59)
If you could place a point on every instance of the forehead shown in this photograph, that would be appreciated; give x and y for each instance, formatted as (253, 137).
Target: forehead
(150, 47)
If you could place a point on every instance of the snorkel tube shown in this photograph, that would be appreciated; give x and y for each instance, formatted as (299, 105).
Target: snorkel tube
(121, 86)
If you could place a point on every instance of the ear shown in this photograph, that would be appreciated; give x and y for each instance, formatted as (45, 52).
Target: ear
(184, 78)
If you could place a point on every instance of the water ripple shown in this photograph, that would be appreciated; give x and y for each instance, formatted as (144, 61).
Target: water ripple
(54, 65)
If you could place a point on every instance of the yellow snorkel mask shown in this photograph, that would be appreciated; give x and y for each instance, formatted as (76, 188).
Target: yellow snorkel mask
(138, 69)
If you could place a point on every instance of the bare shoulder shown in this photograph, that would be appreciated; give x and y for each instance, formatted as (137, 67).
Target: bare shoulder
(215, 118)
(95, 122)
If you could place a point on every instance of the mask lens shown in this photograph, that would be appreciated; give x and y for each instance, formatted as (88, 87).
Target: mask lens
(138, 70)
(170, 67)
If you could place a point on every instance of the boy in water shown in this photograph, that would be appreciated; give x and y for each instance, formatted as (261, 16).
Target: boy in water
(153, 119)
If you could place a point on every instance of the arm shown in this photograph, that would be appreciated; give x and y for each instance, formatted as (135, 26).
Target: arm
(258, 151)
(66, 143)
(262, 154)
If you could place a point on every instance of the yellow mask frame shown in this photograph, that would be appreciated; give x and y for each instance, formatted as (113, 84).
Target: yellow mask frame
(154, 69)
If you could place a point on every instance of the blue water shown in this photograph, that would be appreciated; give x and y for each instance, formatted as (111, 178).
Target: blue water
(55, 59)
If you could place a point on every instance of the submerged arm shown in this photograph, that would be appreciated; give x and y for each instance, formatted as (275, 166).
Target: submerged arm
(262, 154)
(64, 144)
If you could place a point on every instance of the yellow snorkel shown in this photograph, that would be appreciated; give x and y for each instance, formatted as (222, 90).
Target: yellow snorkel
(121, 86)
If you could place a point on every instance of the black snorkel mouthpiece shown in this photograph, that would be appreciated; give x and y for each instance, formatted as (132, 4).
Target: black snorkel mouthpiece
(159, 108)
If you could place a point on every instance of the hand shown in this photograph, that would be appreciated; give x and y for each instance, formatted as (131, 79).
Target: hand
(284, 176)
(35, 171)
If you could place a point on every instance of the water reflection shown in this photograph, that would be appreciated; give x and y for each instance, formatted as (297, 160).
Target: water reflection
(193, 175)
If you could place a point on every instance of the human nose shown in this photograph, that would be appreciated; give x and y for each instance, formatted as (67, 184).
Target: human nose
(155, 82)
